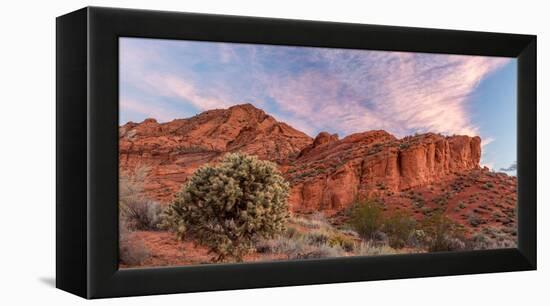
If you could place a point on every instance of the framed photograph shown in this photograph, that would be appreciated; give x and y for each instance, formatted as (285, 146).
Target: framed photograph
(205, 152)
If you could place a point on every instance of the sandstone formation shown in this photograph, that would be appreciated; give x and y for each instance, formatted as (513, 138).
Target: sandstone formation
(174, 150)
(325, 173)
(330, 175)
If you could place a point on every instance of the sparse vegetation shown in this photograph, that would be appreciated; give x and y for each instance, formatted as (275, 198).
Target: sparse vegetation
(371, 249)
(326, 242)
(368, 219)
(403, 146)
(399, 228)
(132, 251)
(343, 241)
(141, 214)
(137, 212)
(474, 219)
(317, 238)
(442, 234)
(492, 238)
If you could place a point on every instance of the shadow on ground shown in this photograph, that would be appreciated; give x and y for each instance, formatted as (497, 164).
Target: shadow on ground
(48, 281)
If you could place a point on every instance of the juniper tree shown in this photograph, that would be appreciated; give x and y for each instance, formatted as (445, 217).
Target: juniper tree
(228, 206)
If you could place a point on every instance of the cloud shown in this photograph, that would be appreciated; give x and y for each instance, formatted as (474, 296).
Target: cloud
(178, 87)
(312, 89)
(398, 92)
(486, 141)
(148, 76)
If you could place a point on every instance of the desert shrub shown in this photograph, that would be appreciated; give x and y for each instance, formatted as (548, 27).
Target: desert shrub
(419, 203)
(228, 206)
(281, 245)
(292, 232)
(366, 218)
(321, 251)
(371, 224)
(297, 248)
(380, 238)
(141, 213)
(426, 210)
(319, 217)
(342, 241)
(349, 232)
(474, 219)
(315, 221)
(372, 249)
(442, 234)
(136, 211)
(132, 252)
(492, 238)
(399, 228)
(417, 239)
(317, 237)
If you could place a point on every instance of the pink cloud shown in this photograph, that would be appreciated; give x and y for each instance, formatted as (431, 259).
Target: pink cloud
(396, 91)
(170, 85)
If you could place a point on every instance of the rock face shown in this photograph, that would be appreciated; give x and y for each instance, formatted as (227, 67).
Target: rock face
(330, 175)
(174, 150)
(325, 173)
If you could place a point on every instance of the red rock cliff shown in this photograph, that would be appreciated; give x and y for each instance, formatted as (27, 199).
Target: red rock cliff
(174, 150)
(330, 175)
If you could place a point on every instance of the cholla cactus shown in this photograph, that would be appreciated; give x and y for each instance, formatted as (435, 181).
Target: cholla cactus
(228, 206)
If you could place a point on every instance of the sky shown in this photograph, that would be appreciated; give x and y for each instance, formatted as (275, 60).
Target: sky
(341, 91)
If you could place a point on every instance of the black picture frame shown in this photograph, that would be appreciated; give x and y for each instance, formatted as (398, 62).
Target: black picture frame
(87, 152)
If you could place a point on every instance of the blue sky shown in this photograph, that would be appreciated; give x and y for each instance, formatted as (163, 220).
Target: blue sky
(320, 89)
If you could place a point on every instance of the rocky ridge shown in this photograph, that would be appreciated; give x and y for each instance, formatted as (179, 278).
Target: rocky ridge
(326, 173)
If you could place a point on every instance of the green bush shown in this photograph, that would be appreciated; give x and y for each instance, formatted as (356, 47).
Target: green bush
(399, 228)
(442, 234)
(342, 241)
(366, 218)
(228, 206)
